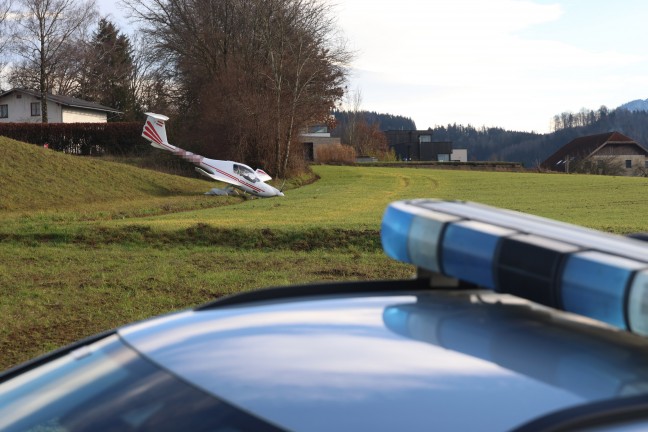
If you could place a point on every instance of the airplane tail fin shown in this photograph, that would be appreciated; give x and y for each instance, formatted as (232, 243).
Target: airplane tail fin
(262, 175)
(155, 132)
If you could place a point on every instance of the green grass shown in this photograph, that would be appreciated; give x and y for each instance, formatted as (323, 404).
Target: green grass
(34, 178)
(355, 197)
(87, 245)
(53, 295)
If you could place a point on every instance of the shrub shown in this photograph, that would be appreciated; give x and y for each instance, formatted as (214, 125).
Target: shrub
(335, 153)
(384, 155)
(608, 165)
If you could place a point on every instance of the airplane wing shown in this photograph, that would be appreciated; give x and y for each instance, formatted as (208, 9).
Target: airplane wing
(216, 176)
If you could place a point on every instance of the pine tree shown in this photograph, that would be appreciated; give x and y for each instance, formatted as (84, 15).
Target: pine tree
(110, 71)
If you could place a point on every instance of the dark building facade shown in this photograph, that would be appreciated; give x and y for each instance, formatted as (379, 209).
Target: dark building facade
(417, 145)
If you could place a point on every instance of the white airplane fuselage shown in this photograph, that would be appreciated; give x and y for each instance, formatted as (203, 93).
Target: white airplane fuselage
(236, 174)
(225, 171)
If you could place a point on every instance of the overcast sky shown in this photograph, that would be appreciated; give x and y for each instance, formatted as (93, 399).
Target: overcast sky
(506, 63)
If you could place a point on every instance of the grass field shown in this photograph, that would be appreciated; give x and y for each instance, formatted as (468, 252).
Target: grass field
(87, 245)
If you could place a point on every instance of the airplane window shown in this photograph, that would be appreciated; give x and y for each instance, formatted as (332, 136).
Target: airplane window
(248, 174)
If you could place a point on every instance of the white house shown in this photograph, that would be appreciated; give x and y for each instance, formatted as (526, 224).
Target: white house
(24, 106)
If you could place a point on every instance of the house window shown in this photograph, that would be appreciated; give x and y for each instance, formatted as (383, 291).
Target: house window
(628, 163)
(35, 108)
(4, 111)
(646, 163)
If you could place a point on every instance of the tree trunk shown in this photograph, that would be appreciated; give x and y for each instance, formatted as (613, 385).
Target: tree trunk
(43, 77)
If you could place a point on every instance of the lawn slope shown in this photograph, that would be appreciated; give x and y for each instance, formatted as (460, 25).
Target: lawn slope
(34, 178)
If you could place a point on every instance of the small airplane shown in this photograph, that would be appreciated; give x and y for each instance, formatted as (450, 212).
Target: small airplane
(237, 175)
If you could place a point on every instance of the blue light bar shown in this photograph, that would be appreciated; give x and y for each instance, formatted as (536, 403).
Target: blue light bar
(638, 304)
(467, 251)
(594, 274)
(394, 232)
(529, 266)
(595, 284)
(411, 235)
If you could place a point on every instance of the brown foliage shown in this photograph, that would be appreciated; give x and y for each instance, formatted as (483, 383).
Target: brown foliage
(252, 74)
(335, 153)
(370, 140)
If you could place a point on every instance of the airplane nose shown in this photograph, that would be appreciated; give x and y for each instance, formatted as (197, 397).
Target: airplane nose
(271, 191)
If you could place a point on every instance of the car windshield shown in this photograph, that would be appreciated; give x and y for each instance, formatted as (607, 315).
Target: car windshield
(109, 387)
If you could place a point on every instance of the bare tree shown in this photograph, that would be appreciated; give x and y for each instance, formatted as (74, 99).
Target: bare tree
(305, 67)
(64, 79)
(193, 34)
(257, 71)
(354, 117)
(46, 29)
(5, 10)
(148, 82)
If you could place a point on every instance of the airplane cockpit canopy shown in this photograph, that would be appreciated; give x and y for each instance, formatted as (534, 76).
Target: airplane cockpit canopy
(246, 172)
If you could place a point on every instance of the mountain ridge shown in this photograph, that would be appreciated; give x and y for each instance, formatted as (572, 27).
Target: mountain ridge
(635, 105)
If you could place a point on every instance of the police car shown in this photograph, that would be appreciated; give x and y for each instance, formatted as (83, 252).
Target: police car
(514, 322)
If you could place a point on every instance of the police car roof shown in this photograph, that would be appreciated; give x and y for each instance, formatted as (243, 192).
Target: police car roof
(395, 358)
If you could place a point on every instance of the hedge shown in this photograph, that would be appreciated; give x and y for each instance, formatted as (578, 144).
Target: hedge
(88, 139)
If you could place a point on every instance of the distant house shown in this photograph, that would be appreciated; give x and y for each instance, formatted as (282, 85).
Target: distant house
(24, 106)
(459, 155)
(597, 151)
(417, 145)
(314, 137)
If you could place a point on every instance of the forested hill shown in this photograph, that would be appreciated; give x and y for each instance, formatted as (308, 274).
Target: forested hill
(483, 144)
(531, 148)
(534, 149)
(491, 144)
(384, 121)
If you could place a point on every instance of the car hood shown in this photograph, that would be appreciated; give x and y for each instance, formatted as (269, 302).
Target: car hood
(440, 360)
